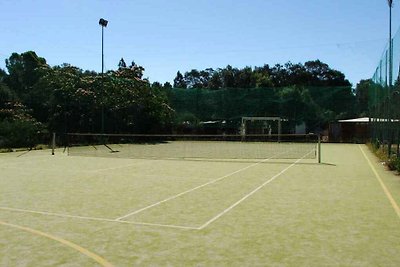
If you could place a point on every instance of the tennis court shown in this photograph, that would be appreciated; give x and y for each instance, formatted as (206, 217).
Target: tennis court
(88, 210)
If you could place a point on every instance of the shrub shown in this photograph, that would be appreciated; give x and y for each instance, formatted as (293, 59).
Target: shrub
(393, 162)
(17, 134)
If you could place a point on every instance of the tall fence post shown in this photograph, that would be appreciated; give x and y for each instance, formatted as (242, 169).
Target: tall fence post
(319, 148)
(53, 143)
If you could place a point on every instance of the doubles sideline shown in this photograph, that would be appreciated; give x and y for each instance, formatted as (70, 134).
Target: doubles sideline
(384, 188)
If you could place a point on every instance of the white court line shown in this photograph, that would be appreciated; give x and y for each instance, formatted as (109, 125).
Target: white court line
(160, 225)
(249, 194)
(190, 190)
(15, 160)
(13, 166)
(121, 167)
(43, 169)
(99, 219)
(384, 188)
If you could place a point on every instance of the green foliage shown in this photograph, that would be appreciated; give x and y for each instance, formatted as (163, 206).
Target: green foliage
(186, 122)
(23, 72)
(17, 134)
(392, 162)
(17, 127)
(363, 89)
(312, 73)
(312, 93)
(67, 99)
(179, 81)
(316, 106)
(121, 63)
(133, 105)
(6, 95)
(130, 104)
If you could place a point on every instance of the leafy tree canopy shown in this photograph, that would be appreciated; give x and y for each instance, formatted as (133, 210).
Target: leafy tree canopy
(311, 73)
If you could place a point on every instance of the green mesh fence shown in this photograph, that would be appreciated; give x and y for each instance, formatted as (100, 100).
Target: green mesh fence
(382, 75)
(384, 112)
(313, 106)
(383, 99)
(224, 103)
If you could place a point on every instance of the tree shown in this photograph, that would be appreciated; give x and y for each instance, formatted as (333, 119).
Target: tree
(262, 77)
(71, 105)
(312, 73)
(3, 74)
(136, 70)
(179, 81)
(362, 90)
(195, 79)
(228, 76)
(6, 95)
(323, 75)
(23, 72)
(245, 78)
(121, 63)
(17, 127)
(215, 81)
(167, 85)
(130, 104)
(156, 85)
(279, 76)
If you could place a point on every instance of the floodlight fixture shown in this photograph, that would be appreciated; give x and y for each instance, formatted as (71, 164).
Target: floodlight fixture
(103, 22)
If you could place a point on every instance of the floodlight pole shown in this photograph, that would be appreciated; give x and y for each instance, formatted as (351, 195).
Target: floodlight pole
(388, 116)
(102, 79)
(390, 2)
(103, 23)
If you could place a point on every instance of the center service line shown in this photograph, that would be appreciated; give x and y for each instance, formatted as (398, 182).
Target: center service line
(190, 190)
(249, 194)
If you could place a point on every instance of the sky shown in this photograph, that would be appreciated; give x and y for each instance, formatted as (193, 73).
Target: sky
(167, 36)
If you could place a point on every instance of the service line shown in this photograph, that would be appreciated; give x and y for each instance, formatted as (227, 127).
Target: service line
(250, 194)
(191, 190)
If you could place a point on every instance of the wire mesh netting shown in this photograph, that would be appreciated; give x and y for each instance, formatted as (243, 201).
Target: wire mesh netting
(384, 71)
(383, 99)
(194, 146)
(305, 104)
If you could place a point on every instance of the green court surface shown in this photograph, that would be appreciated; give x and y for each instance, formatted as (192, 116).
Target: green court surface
(91, 211)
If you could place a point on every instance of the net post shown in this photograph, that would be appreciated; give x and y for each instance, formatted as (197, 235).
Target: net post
(66, 143)
(319, 148)
(279, 129)
(53, 143)
(243, 129)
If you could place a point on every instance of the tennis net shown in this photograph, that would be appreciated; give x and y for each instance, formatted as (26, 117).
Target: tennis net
(194, 146)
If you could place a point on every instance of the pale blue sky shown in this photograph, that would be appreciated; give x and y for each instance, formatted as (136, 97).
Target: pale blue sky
(167, 36)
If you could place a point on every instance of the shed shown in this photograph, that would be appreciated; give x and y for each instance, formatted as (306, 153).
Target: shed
(350, 131)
